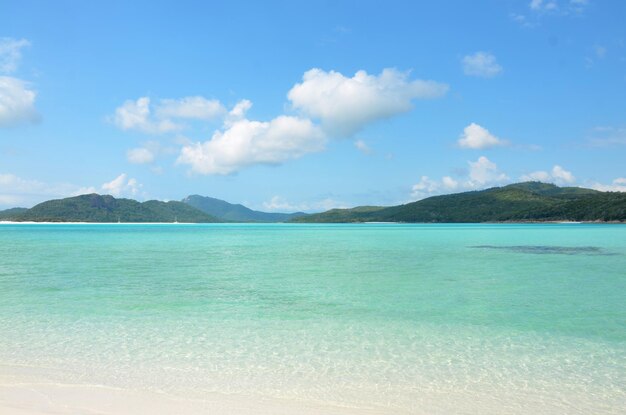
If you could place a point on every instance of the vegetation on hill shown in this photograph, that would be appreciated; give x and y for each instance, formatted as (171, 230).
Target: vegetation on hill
(230, 212)
(9, 214)
(529, 201)
(97, 208)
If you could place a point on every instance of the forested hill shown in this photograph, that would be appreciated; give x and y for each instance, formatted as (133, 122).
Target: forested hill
(529, 201)
(97, 208)
(230, 212)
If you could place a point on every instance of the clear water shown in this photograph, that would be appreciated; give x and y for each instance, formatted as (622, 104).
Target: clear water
(409, 318)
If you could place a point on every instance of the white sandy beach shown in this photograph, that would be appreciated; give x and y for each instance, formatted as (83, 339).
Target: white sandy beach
(38, 397)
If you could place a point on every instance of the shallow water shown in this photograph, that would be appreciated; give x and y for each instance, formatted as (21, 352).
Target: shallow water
(428, 318)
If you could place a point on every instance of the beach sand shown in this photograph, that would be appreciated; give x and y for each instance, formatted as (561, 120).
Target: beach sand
(29, 391)
(62, 399)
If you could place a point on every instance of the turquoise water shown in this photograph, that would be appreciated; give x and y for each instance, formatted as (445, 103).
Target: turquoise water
(429, 318)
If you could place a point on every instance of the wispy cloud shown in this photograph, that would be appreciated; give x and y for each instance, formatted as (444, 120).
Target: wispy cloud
(167, 115)
(11, 53)
(280, 204)
(481, 64)
(362, 147)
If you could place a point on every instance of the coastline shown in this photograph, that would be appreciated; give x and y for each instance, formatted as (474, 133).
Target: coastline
(547, 222)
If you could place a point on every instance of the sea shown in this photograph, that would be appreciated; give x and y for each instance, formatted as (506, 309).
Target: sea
(387, 318)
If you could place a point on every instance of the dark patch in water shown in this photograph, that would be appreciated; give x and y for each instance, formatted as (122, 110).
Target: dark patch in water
(548, 249)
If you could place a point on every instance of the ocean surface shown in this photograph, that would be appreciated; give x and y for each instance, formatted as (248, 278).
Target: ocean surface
(433, 319)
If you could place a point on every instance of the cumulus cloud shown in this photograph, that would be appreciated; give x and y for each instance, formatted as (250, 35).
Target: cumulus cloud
(244, 142)
(476, 137)
(136, 115)
(482, 173)
(345, 105)
(481, 64)
(11, 53)
(165, 116)
(618, 185)
(17, 98)
(557, 175)
(122, 186)
(238, 112)
(427, 187)
(424, 188)
(17, 102)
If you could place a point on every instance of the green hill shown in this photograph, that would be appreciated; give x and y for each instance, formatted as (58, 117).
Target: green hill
(230, 212)
(529, 201)
(9, 214)
(97, 208)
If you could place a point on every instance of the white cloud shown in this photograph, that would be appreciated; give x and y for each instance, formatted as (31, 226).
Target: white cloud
(476, 137)
(345, 105)
(618, 185)
(537, 176)
(484, 172)
(449, 183)
(140, 155)
(162, 118)
(238, 112)
(362, 147)
(280, 204)
(11, 53)
(562, 176)
(243, 143)
(136, 115)
(543, 5)
(15, 190)
(482, 64)
(196, 107)
(17, 102)
(557, 175)
(427, 187)
(121, 186)
(424, 188)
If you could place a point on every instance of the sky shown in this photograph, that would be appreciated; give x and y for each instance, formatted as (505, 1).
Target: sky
(307, 106)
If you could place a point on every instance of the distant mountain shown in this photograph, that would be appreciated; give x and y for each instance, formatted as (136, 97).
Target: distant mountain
(97, 208)
(229, 212)
(529, 201)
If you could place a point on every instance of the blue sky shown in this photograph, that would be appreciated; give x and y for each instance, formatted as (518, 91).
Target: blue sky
(307, 106)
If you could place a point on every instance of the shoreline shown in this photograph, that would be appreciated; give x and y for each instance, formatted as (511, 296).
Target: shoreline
(547, 222)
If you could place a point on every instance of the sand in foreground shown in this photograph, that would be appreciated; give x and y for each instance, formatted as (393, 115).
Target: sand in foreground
(63, 399)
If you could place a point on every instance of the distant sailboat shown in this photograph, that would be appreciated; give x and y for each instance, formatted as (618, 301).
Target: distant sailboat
(175, 219)
(119, 219)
